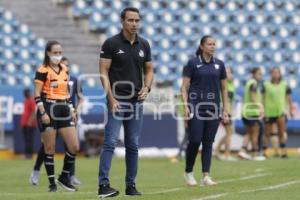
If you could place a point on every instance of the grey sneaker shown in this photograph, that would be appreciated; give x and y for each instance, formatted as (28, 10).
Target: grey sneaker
(34, 177)
(74, 180)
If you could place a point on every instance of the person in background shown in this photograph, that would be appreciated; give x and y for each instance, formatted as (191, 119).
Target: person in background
(252, 111)
(182, 130)
(276, 95)
(28, 122)
(204, 82)
(75, 91)
(229, 127)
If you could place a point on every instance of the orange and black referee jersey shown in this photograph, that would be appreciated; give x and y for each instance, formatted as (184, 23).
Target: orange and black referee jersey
(55, 84)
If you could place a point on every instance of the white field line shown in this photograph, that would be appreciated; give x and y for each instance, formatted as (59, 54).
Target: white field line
(244, 178)
(259, 170)
(164, 191)
(213, 196)
(148, 193)
(272, 187)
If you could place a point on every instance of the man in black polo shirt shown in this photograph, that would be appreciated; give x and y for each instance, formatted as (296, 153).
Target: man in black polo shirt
(126, 74)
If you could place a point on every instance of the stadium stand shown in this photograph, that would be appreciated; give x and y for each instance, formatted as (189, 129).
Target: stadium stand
(256, 35)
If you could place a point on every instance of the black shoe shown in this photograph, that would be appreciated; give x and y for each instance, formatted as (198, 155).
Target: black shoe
(285, 156)
(52, 188)
(132, 191)
(106, 191)
(66, 184)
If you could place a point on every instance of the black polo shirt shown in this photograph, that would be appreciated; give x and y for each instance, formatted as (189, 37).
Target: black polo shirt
(205, 84)
(127, 67)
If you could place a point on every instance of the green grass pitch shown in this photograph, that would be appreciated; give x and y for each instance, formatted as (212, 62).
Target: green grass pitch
(160, 179)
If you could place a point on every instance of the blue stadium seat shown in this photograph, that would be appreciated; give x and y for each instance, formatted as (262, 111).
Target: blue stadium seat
(20, 52)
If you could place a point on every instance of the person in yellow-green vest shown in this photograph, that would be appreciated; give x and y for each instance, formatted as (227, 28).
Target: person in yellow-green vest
(276, 95)
(229, 126)
(252, 111)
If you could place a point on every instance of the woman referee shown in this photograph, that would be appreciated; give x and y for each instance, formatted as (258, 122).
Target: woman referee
(204, 81)
(55, 113)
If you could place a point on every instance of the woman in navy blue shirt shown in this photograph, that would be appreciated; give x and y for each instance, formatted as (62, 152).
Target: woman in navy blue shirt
(204, 82)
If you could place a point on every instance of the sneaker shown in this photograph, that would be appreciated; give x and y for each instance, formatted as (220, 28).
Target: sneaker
(52, 188)
(132, 191)
(66, 184)
(74, 180)
(259, 158)
(190, 179)
(230, 158)
(34, 177)
(219, 156)
(206, 181)
(106, 191)
(244, 155)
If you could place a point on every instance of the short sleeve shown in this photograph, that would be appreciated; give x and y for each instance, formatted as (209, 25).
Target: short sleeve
(41, 75)
(106, 50)
(148, 56)
(263, 89)
(253, 87)
(79, 88)
(288, 90)
(223, 74)
(187, 70)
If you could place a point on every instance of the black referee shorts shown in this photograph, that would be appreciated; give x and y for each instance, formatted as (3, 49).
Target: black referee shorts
(59, 114)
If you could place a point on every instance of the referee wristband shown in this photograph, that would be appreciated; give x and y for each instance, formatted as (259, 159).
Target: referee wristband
(38, 101)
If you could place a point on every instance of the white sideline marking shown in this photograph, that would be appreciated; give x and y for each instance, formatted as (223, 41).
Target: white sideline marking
(164, 191)
(260, 170)
(272, 187)
(158, 192)
(244, 178)
(222, 181)
(213, 196)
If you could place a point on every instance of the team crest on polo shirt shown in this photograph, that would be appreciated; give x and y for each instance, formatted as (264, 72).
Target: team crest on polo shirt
(141, 53)
(217, 66)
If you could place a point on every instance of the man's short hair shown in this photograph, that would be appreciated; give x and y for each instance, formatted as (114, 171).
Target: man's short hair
(132, 9)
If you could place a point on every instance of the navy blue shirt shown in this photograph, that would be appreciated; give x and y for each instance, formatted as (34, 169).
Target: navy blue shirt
(74, 90)
(205, 84)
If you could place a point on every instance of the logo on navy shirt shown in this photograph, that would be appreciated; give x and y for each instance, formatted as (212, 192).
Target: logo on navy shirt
(217, 66)
(141, 53)
(198, 66)
(120, 52)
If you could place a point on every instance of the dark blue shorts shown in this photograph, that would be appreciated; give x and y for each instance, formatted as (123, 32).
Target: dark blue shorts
(272, 120)
(251, 120)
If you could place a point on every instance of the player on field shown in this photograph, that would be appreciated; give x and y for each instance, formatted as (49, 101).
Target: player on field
(204, 82)
(55, 114)
(276, 94)
(229, 127)
(252, 111)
